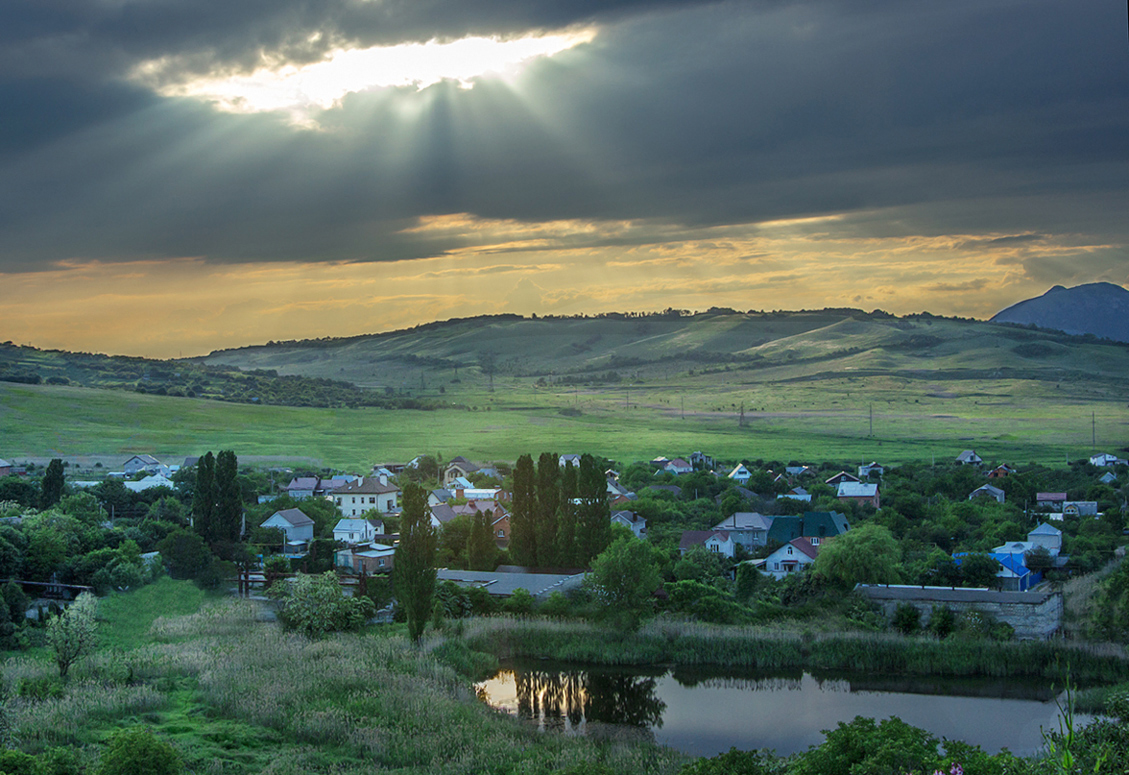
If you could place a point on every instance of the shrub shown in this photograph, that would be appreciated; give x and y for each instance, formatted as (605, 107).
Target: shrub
(520, 602)
(943, 621)
(19, 763)
(316, 606)
(40, 688)
(907, 619)
(137, 751)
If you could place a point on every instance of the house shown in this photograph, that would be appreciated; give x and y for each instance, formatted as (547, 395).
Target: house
(435, 497)
(673, 489)
(632, 521)
(500, 527)
(987, 491)
(143, 463)
(795, 556)
(298, 527)
(678, 466)
(1048, 537)
(301, 487)
(867, 469)
(796, 494)
(441, 514)
(1106, 478)
(569, 460)
(357, 531)
(149, 483)
(701, 461)
(329, 486)
(1001, 471)
(740, 474)
(479, 493)
(719, 541)
(1014, 574)
(5, 468)
(489, 507)
(859, 492)
(504, 584)
(1080, 508)
(617, 490)
(370, 559)
(841, 477)
(460, 466)
(1050, 499)
(799, 470)
(747, 528)
(969, 458)
(376, 493)
(1106, 460)
(813, 525)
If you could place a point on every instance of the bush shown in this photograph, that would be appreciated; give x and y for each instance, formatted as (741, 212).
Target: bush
(19, 763)
(943, 621)
(137, 751)
(316, 606)
(520, 602)
(41, 688)
(907, 619)
(735, 762)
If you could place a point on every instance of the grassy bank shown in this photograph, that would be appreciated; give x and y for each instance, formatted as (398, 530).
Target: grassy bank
(238, 695)
(680, 643)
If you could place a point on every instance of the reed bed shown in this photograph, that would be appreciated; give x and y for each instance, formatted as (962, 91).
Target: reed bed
(688, 643)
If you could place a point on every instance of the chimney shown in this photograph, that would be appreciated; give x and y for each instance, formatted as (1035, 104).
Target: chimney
(384, 478)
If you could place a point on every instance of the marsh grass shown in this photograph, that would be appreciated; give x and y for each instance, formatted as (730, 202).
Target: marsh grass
(687, 643)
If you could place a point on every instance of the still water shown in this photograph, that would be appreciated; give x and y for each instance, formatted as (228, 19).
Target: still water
(704, 713)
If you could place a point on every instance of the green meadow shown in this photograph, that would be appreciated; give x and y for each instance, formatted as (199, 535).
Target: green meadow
(830, 418)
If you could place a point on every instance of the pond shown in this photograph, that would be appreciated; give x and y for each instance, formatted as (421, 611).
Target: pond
(704, 713)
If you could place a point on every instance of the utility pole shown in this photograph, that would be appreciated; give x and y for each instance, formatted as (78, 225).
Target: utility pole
(871, 420)
(741, 420)
(1094, 431)
(683, 407)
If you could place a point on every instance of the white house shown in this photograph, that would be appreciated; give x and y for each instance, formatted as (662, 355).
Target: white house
(969, 458)
(298, 527)
(1107, 478)
(146, 463)
(747, 528)
(796, 494)
(720, 541)
(867, 469)
(678, 466)
(569, 460)
(1105, 460)
(369, 494)
(629, 519)
(796, 555)
(357, 531)
(740, 474)
(1080, 508)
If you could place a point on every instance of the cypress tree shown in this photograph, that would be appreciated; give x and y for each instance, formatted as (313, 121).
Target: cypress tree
(51, 488)
(523, 516)
(229, 500)
(593, 522)
(480, 545)
(204, 498)
(566, 519)
(548, 503)
(413, 571)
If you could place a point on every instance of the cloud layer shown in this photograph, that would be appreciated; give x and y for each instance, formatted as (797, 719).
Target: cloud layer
(679, 136)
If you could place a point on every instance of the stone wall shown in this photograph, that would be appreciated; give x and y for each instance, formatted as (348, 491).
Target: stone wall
(1033, 615)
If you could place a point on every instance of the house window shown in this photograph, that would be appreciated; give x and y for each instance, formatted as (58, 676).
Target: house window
(501, 534)
(372, 500)
(380, 562)
(338, 501)
(814, 541)
(789, 550)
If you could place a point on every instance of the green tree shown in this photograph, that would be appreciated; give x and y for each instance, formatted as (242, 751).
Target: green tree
(315, 605)
(593, 519)
(480, 546)
(137, 751)
(864, 555)
(204, 498)
(73, 634)
(565, 541)
(548, 504)
(229, 499)
(624, 579)
(979, 570)
(51, 487)
(186, 553)
(453, 541)
(523, 515)
(413, 571)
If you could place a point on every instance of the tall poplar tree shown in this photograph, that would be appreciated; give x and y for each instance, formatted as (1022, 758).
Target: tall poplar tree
(480, 547)
(593, 522)
(204, 498)
(523, 516)
(548, 503)
(413, 571)
(229, 500)
(566, 519)
(51, 487)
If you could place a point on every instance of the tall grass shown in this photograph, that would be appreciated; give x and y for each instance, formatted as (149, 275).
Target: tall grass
(687, 643)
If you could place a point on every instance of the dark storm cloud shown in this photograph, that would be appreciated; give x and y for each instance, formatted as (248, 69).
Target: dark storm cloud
(991, 115)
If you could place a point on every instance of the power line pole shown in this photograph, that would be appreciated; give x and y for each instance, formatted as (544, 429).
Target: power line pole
(683, 407)
(741, 421)
(1094, 431)
(871, 419)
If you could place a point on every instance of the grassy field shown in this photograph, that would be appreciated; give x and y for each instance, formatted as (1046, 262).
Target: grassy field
(827, 419)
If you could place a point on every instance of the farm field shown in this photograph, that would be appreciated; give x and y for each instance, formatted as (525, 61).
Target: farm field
(828, 418)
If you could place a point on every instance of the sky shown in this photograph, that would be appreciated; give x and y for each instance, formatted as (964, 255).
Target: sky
(178, 176)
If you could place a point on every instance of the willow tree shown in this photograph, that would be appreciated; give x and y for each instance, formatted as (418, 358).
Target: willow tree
(413, 570)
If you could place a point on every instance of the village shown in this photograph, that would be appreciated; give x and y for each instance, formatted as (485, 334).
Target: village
(712, 521)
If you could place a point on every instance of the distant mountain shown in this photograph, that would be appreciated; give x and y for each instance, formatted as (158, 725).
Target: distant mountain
(1101, 309)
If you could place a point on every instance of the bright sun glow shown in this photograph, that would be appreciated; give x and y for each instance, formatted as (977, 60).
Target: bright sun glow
(306, 89)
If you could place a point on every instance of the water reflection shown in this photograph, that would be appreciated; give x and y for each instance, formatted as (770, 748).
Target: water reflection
(704, 712)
